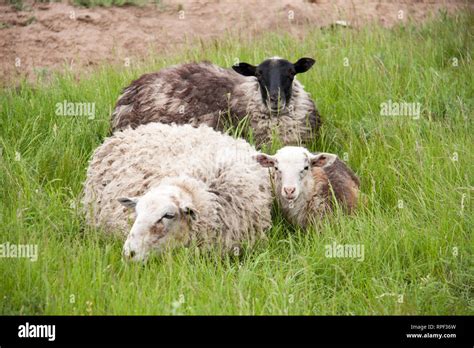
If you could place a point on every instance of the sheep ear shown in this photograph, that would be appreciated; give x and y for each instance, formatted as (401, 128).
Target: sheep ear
(322, 159)
(245, 69)
(189, 210)
(303, 65)
(128, 202)
(266, 161)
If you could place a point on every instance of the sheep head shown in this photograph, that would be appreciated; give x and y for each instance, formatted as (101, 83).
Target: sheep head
(163, 219)
(275, 77)
(291, 170)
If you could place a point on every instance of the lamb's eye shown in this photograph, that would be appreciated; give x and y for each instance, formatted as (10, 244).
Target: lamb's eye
(168, 216)
(276, 168)
(306, 168)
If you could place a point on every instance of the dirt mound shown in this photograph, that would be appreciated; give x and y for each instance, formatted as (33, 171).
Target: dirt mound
(60, 36)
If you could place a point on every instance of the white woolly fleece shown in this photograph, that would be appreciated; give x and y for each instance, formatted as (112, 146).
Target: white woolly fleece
(230, 190)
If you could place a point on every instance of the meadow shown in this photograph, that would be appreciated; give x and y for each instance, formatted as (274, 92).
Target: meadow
(416, 172)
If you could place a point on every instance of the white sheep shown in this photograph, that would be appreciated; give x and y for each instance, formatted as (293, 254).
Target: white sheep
(204, 93)
(183, 184)
(305, 183)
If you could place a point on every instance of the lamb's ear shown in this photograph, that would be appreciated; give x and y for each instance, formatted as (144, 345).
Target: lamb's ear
(189, 210)
(303, 65)
(266, 161)
(128, 202)
(245, 69)
(322, 159)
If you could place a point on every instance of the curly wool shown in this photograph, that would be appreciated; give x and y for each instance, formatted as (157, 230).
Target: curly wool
(203, 93)
(231, 192)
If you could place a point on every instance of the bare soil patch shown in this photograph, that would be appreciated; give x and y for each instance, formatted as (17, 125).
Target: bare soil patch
(58, 36)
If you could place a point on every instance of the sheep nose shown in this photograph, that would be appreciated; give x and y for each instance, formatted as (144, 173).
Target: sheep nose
(274, 98)
(129, 254)
(289, 190)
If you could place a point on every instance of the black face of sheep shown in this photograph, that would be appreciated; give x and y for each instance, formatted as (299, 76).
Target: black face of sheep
(275, 76)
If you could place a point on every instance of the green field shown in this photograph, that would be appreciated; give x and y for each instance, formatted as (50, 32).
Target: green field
(417, 173)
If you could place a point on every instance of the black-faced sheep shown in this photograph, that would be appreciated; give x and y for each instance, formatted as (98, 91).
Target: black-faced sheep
(183, 185)
(305, 183)
(203, 93)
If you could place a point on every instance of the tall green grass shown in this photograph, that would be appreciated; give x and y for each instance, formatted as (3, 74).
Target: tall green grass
(417, 174)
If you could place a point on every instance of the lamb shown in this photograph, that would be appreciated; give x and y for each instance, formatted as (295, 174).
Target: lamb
(305, 183)
(177, 185)
(267, 97)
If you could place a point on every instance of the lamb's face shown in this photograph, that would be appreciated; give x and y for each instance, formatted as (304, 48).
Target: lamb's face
(275, 77)
(292, 170)
(163, 217)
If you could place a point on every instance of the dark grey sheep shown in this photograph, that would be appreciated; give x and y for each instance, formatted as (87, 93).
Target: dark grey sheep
(203, 93)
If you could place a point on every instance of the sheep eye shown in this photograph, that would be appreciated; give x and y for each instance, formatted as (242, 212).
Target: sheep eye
(168, 216)
(276, 168)
(306, 168)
